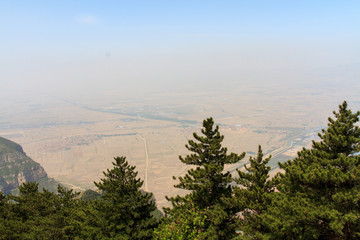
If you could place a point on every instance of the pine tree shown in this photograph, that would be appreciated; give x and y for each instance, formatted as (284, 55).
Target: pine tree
(189, 223)
(41, 215)
(207, 182)
(68, 212)
(254, 184)
(319, 192)
(126, 209)
(252, 193)
(35, 213)
(7, 220)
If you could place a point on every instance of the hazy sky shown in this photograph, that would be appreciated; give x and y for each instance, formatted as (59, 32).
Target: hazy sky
(79, 46)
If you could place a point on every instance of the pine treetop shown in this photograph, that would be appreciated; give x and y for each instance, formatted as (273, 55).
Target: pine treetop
(125, 208)
(342, 135)
(257, 172)
(331, 162)
(207, 181)
(251, 193)
(322, 184)
(207, 149)
(122, 179)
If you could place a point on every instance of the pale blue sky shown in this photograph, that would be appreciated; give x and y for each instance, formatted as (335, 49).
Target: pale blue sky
(62, 45)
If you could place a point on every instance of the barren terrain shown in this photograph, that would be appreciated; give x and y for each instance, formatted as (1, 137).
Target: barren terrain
(76, 139)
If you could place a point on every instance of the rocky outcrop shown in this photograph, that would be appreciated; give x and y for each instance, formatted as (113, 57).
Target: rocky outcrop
(16, 168)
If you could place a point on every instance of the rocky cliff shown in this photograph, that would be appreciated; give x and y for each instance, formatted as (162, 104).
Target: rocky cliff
(17, 168)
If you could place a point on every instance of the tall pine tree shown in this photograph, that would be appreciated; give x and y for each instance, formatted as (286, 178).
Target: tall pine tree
(254, 184)
(41, 215)
(252, 194)
(207, 182)
(319, 192)
(125, 208)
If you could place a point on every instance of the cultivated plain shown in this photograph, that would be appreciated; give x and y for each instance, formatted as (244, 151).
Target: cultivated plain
(76, 138)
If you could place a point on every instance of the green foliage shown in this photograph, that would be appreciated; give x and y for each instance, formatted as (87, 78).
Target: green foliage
(90, 195)
(125, 210)
(254, 184)
(319, 192)
(207, 182)
(157, 214)
(5, 217)
(317, 196)
(252, 194)
(40, 215)
(186, 224)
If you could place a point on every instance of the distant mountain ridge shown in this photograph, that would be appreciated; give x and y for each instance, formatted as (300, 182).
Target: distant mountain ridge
(16, 168)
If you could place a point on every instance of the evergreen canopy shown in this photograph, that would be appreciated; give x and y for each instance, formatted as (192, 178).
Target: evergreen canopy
(317, 196)
(319, 192)
(207, 181)
(125, 208)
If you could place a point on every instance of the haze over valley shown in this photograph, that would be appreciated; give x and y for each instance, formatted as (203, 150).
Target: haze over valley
(82, 84)
(75, 140)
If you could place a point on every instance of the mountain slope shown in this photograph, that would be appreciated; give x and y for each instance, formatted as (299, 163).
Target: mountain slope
(16, 168)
